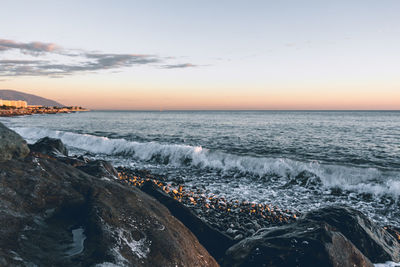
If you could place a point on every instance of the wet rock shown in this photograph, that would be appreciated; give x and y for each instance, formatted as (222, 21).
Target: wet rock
(331, 236)
(12, 146)
(99, 168)
(49, 146)
(297, 244)
(231, 231)
(238, 237)
(213, 240)
(372, 240)
(52, 214)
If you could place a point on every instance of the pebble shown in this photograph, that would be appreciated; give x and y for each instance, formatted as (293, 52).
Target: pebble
(235, 218)
(238, 237)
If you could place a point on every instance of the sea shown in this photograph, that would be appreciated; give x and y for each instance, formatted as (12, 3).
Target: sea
(296, 160)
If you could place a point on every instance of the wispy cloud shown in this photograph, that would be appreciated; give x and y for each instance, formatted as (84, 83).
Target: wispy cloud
(179, 66)
(32, 47)
(58, 62)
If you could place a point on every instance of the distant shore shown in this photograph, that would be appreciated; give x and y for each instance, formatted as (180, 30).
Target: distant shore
(11, 111)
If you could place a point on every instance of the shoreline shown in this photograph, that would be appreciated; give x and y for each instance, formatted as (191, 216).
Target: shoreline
(232, 217)
(13, 112)
(130, 207)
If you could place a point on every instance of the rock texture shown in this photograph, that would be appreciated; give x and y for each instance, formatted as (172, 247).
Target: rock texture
(12, 146)
(54, 148)
(52, 214)
(332, 236)
(373, 241)
(99, 168)
(214, 241)
(50, 146)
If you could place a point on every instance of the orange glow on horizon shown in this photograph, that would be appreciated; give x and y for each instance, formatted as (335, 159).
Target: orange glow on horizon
(110, 96)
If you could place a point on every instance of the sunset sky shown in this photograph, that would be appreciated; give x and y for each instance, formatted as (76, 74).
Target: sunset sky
(204, 54)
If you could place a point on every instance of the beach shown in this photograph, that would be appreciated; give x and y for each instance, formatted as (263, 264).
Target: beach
(234, 233)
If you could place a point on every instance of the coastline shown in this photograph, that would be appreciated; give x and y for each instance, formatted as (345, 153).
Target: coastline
(12, 112)
(251, 243)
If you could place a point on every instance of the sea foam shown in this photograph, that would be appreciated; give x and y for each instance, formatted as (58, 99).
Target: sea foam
(368, 180)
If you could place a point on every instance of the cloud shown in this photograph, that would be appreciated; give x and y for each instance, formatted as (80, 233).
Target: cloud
(19, 62)
(58, 62)
(121, 60)
(179, 66)
(32, 47)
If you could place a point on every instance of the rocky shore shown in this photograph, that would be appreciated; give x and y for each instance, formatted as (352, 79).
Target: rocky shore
(10, 111)
(58, 210)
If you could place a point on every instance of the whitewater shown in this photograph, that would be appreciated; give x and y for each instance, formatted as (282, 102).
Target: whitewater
(295, 160)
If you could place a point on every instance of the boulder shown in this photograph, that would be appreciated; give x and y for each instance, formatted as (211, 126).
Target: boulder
(297, 244)
(372, 240)
(12, 146)
(331, 236)
(52, 214)
(213, 240)
(49, 146)
(99, 168)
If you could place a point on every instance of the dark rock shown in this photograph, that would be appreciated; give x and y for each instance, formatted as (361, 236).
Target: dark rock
(303, 243)
(331, 236)
(49, 146)
(12, 146)
(52, 214)
(372, 240)
(231, 231)
(238, 237)
(213, 240)
(75, 162)
(99, 168)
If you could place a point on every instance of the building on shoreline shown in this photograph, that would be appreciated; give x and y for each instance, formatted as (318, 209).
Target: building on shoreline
(13, 103)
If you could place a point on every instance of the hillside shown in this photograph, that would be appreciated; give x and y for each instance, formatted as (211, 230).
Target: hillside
(31, 99)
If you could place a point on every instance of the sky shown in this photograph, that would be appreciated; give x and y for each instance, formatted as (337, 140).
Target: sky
(187, 54)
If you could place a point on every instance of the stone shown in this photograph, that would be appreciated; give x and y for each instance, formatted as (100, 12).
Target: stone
(296, 244)
(330, 236)
(52, 214)
(12, 146)
(99, 168)
(49, 146)
(213, 240)
(372, 240)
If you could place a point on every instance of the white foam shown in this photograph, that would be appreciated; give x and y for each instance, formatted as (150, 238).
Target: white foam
(369, 180)
(387, 264)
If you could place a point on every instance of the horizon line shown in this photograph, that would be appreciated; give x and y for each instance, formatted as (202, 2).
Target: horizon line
(164, 110)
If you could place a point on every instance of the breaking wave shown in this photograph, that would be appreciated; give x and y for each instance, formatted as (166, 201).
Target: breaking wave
(369, 180)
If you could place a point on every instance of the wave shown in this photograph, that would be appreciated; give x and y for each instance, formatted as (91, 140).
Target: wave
(368, 180)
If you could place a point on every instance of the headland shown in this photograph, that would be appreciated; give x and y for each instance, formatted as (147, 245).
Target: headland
(9, 111)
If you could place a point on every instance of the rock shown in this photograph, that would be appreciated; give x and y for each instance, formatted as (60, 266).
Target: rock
(52, 214)
(49, 146)
(238, 237)
(303, 243)
(99, 168)
(213, 240)
(330, 236)
(231, 231)
(12, 146)
(372, 240)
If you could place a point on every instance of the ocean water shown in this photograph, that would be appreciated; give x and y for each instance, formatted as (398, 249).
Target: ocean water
(298, 160)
